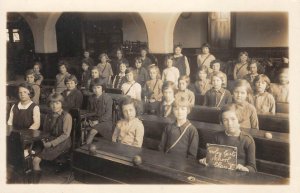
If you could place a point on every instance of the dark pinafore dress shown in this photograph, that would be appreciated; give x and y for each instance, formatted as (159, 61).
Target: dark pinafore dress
(23, 118)
(54, 125)
(179, 62)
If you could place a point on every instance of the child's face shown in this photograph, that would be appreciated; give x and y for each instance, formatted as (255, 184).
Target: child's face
(119, 54)
(86, 54)
(260, 86)
(129, 112)
(84, 67)
(143, 53)
(169, 63)
(71, 85)
(180, 112)
(182, 84)
(177, 50)
(129, 77)
(217, 82)
(168, 94)
(122, 68)
(240, 94)
(205, 50)
(153, 74)
(24, 94)
(253, 68)
(103, 59)
(216, 67)
(30, 78)
(36, 68)
(95, 73)
(55, 106)
(230, 122)
(284, 78)
(138, 64)
(62, 69)
(97, 90)
(202, 75)
(243, 58)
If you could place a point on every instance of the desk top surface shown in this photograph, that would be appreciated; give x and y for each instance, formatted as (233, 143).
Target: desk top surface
(158, 162)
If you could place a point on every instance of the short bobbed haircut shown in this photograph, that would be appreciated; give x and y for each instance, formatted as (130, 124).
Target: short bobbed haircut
(28, 87)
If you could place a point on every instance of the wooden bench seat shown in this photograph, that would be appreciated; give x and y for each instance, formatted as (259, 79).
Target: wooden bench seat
(278, 122)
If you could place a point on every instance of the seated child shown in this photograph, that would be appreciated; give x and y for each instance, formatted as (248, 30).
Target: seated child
(202, 84)
(233, 136)
(86, 55)
(105, 69)
(38, 77)
(216, 66)
(217, 96)
(165, 107)
(181, 137)
(170, 73)
(29, 75)
(86, 75)
(141, 74)
(25, 114)
(242, 97)
(183, 91)
(60, 77)
(101, 104)
(240, 69)
(129, 130)
(254, 69)
(281, 91)
(119, 59)
(58, 124)
(73, 97)
(146, 61)
(264, 102)
(153, 89)
(94, 75)
(120, 78)
(131, 88)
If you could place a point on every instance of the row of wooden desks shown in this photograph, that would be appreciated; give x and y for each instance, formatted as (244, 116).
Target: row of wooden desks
(112, 163)
(272, 154)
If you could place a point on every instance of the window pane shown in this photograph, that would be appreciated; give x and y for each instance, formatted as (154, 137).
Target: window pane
(15, 30)
(16, 37)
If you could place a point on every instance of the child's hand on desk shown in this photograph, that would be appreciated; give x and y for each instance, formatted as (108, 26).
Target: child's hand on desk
(203, 161)
(242, 168)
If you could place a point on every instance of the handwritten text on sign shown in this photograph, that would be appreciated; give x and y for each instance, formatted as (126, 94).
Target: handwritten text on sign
(221, 156)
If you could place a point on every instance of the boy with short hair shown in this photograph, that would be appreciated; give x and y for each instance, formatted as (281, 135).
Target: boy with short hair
(181, 137)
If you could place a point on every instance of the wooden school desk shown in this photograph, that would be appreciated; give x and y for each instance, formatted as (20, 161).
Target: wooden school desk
(112, 163)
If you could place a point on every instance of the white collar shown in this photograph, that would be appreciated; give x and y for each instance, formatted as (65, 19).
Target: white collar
(20, 106)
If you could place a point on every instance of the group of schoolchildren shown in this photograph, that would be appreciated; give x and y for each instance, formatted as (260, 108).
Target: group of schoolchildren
(170, 95)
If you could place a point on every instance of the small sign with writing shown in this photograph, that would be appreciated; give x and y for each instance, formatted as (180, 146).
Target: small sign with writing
(221, 156)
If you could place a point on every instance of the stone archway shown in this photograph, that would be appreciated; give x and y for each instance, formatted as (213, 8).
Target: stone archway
(160, 28)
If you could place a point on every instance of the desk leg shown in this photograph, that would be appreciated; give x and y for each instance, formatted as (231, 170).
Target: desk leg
(83, 131)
